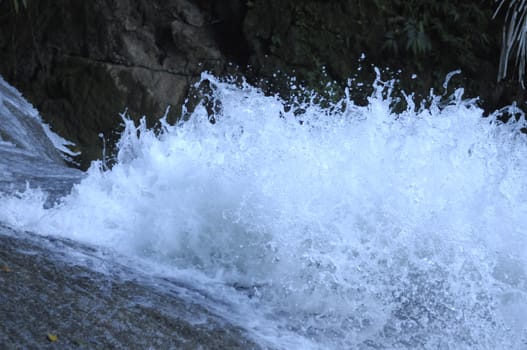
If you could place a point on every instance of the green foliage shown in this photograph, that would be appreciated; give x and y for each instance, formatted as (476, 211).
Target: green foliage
(514, 37)
(421, 28)
(16, 5)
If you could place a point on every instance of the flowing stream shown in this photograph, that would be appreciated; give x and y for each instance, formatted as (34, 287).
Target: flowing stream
(351, 227)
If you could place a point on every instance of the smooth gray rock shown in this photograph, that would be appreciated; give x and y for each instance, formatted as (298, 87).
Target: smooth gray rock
(44, 291)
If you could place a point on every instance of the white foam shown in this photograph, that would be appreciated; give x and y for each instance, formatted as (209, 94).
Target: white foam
(22, 122)
(60, 143)
(355, 228)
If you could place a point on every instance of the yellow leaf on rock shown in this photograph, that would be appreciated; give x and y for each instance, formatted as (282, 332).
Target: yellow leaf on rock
(52, 337)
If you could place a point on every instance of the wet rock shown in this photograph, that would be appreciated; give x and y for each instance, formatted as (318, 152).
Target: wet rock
(81, 64)
(193, 41)
(189, 12)
(47, 300)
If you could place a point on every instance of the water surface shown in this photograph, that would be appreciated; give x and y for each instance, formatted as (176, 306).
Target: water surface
(346, 227)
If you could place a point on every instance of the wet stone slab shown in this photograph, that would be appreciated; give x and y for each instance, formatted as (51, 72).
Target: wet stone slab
(43, 295)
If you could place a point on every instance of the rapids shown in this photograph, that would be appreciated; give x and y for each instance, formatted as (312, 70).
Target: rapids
(344, 227)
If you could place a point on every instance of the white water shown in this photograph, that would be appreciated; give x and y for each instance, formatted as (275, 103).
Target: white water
(361, 229)
(21, 127)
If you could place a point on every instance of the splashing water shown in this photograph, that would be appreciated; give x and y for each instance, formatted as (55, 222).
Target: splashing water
(355, 228)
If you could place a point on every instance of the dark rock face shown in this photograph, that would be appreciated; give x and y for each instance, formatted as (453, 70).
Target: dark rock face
(428, 38)
(83, 63)
(304, 36)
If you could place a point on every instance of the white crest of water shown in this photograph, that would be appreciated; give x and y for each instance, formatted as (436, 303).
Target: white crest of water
(22, 127)
(352, 227)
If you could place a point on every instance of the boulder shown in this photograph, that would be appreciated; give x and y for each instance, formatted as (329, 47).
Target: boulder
(83, 63)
